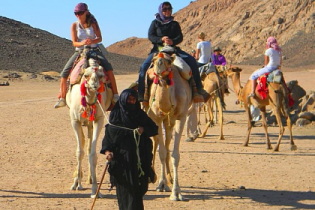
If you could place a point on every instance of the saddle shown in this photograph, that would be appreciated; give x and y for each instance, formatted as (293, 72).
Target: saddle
(275, 76)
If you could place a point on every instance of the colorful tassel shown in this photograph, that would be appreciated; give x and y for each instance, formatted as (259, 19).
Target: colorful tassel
(161, 55)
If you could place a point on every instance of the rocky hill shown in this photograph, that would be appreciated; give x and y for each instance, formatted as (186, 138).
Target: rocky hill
(241, 27)
(28, 49)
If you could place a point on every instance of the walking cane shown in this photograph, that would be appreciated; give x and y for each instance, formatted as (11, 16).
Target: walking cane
(99, 186)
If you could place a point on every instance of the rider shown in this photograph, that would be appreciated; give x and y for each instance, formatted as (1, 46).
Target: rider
(219, 60)
(165, 31)
(203, 51)
(273, 61)
(84, 32)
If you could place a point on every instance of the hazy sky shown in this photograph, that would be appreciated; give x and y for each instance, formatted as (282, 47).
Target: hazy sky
(118, 19)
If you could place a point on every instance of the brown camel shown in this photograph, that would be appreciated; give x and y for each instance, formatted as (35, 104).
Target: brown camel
(169, 101)
(211, 85)
(277, 98)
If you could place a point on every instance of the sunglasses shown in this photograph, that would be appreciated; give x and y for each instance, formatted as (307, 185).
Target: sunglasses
(79, 13)
(167, 8)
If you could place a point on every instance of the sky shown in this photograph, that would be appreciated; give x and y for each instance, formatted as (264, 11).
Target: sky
(118, 19)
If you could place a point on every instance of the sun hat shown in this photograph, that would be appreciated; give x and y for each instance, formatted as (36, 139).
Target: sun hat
(217, 49)
(81, 7)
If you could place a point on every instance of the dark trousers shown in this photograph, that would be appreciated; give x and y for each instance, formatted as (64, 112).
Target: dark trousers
(191, 61)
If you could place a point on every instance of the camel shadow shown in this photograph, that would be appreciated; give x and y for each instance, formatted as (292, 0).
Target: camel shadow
(30, 194)
(281, 198)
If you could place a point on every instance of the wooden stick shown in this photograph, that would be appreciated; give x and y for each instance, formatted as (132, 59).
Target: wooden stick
(99, 186)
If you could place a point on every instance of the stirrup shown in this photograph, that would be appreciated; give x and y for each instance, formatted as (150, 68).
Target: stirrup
(60, 103)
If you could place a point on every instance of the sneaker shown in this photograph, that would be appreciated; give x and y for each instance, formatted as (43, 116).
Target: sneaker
(60, 103)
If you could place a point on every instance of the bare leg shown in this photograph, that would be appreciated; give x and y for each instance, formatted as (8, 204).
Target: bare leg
(112, 81)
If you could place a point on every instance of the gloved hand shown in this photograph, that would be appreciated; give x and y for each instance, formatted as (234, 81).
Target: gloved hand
(115, 98)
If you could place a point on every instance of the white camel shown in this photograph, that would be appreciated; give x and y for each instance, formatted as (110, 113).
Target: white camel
(169, 101)
(83, 99)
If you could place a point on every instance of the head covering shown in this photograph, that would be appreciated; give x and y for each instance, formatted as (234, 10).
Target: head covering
(126, 114)
(160, 17)
(217, 49)
(81, 7)
(272, 42)
(201, 35)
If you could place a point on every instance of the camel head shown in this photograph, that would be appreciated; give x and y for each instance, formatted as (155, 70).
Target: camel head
(93, 74)
(162, 64)
(230, 71)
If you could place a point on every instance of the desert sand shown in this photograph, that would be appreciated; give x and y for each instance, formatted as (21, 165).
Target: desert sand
(37, 158)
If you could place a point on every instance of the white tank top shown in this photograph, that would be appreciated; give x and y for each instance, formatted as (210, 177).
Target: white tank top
(84, 33)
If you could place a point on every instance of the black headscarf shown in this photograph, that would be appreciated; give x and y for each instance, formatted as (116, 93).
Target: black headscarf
(126, 114)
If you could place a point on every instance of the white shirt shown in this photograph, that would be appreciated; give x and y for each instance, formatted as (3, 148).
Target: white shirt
(84, 33)
(205, 51)
(274, 57)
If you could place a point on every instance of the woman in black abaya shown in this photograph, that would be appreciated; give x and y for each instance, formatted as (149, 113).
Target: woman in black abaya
(128, 147)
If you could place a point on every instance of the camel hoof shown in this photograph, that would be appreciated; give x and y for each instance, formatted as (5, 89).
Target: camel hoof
(293, 147)
(100, 195)
(177, 197)
(221, 138)
(189, 139)
(79, 187)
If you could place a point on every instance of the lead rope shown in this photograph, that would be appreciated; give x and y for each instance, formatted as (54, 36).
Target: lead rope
(137, 139)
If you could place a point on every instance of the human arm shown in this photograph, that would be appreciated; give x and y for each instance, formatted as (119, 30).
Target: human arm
(222, 60)
(266, 60)
(107, 145)
(152, 34)
(98, 33)
(148, 125)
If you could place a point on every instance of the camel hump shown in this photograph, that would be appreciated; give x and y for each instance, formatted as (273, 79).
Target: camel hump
(183, 68)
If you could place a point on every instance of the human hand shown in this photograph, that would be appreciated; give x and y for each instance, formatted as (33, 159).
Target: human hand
(140, 130)
(109, 155)
(87, 41)
(168, 41)
(164, 38)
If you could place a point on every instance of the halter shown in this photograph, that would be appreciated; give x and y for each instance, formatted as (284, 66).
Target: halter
(89, 109)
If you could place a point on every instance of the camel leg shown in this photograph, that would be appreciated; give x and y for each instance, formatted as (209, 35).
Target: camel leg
(289, 124)
(249, 124)
(278, 117)
(208, 106)
(76, 125)
(264, 123)
(155, 146)
(168, 138)
(176, 192)
(162, 153)
(219, 106)
(90, 137)
(97, 127)
(191, 123)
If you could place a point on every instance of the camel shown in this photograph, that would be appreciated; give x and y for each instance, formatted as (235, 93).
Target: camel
(87, 97)
(212, 85)
(169, 101)
(277, 98)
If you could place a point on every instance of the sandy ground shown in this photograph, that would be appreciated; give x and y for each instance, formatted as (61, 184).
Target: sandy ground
(37, 158)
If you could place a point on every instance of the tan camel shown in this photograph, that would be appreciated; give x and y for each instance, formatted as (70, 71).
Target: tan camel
(169, 101)
(277, 98)
(90, 85)
(211, 85)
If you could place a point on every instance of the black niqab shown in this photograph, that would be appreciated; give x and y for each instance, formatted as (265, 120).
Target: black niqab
(126, 114)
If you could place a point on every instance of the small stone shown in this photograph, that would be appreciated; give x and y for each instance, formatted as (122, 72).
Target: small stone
(242, 187)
